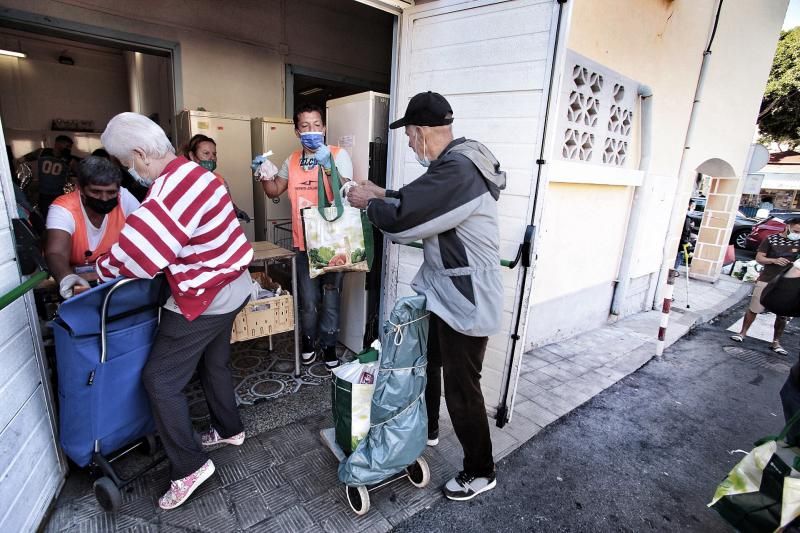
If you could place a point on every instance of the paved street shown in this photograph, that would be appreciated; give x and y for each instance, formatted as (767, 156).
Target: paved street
(283, 479)
(644, 455)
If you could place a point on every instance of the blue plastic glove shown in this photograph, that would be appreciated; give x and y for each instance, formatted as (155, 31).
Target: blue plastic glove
(323, 156)
(257, 162)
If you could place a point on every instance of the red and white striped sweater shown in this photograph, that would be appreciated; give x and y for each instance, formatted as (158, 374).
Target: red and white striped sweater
(187, 228)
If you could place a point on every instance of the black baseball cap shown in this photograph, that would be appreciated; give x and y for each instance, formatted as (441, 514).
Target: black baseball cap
(426, 109)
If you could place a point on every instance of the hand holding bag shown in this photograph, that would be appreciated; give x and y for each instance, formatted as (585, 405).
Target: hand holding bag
(338, 237)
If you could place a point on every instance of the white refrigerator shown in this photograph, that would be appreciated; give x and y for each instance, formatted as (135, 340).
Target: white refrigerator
(360, 124)
(231, 133)
(276, 134)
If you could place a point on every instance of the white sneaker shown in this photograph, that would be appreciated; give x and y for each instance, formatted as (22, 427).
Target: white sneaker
(212, 438)
(433, 442)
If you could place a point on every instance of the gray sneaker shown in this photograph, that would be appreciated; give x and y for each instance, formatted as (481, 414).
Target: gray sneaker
(464, 486)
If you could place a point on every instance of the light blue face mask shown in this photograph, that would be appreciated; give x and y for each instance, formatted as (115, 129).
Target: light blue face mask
(422, 160)
(140, 180)
(312, 139)
(793, 236)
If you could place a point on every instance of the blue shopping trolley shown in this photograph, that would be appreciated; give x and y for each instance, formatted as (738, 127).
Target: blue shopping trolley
(103, 339)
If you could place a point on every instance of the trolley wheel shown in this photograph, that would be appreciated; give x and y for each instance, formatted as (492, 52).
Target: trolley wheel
(419, 473)
(358, 498)
(107, 494)
(149, 445)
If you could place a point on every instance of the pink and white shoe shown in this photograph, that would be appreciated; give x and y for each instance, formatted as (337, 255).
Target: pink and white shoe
(180, 490)
(212, 438)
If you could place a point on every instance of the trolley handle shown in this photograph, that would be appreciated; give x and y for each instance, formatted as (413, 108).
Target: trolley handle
(104, 320)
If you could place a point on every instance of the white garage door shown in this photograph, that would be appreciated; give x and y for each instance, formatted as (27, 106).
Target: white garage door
(492, 61)
(31, 470)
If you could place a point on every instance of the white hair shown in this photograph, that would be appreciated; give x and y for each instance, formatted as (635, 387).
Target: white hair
(127, 132)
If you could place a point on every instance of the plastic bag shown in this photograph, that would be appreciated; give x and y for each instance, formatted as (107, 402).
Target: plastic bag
(352, 389)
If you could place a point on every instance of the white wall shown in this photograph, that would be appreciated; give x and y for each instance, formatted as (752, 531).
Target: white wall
(233, 53)
(36, 89)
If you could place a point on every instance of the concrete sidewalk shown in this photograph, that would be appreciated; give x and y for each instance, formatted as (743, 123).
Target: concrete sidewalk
(284, 479)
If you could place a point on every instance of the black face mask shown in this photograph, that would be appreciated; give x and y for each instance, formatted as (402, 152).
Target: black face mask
(66, 152)
(102, 207)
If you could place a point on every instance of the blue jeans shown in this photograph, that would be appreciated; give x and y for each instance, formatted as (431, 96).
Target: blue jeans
(319, 303)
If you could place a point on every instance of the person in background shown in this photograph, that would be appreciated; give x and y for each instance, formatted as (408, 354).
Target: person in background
(452, 208)
(320, 297)
(776, 253)
(686, 236)
(187, 229)
(84, 224)
(203, 151)
(25, 209)
(52, 170)
(766, 203)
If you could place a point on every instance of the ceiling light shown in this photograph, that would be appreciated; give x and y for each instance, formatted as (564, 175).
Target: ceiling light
(313, 90)
(12, 53)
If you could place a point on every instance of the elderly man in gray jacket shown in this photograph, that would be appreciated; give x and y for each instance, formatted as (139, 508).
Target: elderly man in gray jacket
(452, 208)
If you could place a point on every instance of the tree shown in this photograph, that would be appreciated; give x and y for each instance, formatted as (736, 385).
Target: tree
(779, 119)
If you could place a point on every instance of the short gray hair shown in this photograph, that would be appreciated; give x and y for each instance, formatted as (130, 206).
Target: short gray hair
(95, 170)
(127, 132)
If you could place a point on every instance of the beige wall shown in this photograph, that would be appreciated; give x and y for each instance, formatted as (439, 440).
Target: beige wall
(736, 75)
(233, 53)
(37, 89)
(658, 43)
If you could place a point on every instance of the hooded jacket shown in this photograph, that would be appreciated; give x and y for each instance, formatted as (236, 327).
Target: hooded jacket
(452, 208)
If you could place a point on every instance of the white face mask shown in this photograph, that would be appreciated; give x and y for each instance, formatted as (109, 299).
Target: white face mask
(422, 160)
(139, 179)
(793, 236)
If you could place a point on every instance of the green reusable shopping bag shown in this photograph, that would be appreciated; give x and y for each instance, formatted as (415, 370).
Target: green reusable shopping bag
(351, 399)
(338, 238)
(757, 495)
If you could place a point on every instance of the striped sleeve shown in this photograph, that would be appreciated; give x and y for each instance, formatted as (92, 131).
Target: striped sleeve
(163, 225)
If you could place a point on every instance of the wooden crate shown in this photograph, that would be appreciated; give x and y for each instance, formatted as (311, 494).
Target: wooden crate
(260, 318)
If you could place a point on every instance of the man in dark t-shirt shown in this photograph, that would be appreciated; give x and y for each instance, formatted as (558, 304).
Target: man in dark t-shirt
(51, 171)
(776, 253)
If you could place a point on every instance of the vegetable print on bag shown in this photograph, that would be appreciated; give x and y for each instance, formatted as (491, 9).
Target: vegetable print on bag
(338, 237)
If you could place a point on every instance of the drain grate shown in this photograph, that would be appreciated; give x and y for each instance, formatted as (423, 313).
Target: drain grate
(773, 362)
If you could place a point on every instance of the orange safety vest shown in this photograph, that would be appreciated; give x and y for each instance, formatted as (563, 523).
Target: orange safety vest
(302, 190)
(80, 239)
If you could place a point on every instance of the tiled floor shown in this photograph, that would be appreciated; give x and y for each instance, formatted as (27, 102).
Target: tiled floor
(284, 479)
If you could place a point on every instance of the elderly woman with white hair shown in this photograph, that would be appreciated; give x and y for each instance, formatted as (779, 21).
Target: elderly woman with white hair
(186, 228)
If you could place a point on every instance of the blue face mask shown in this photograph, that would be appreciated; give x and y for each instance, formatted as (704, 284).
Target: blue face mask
(421, 159)
(312, 139)
(140, 180)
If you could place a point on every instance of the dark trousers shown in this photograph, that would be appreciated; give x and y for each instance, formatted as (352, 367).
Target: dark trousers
(180, 347)
(460, 358)
(320, 300)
